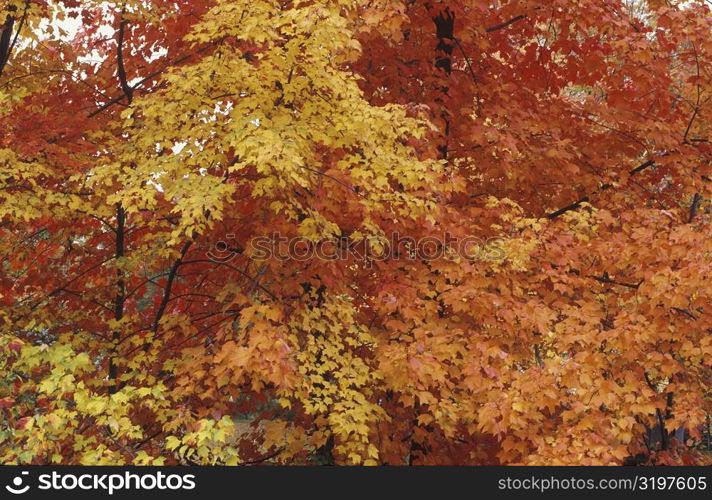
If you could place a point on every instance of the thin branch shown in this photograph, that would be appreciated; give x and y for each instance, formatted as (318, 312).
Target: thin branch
(568, 208)
(17, 34)
(149, 438)
(699, 96)
(63, 71)
(685, 312)
(66, 284)
(145, 282)
(467, 59)
(128, 90)
(152, 75)
(606, 279)
(576, 204)
(117, 443)
(169, 286)
(264, 458)
(642, 167)
(338, 181)
(19, 29)
(120, 298)
(503, 25)
(5, 38)
(696, 200)
(93, 301)
(198, 333)
(237, 269)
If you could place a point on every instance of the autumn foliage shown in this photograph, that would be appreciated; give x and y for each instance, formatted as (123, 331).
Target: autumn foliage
(147, 144)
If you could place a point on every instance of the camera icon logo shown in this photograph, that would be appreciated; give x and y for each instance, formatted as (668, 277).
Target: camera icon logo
(16, 488)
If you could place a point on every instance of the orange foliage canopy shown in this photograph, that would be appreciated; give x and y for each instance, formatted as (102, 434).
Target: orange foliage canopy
(157, 156)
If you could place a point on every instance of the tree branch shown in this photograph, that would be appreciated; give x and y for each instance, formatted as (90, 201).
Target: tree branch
(120, 299)
(576, 204)
(128, 90)
(6, 37)
(696, 200)
(568, 208)
(503, 25)
(642, 167)
(152, 75)
(606, 279)
(238, 270)
(263, 458)
(169, 286)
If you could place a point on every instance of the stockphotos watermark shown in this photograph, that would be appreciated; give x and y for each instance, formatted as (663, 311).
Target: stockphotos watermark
(109, 483)
(368, 250)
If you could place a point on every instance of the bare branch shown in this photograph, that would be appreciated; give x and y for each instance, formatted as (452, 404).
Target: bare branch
(694, 207)
(169, 286)
(128, 90)
(503, 25)
(576, 204)
(6, 37)
(568, 208)
(152, 75)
